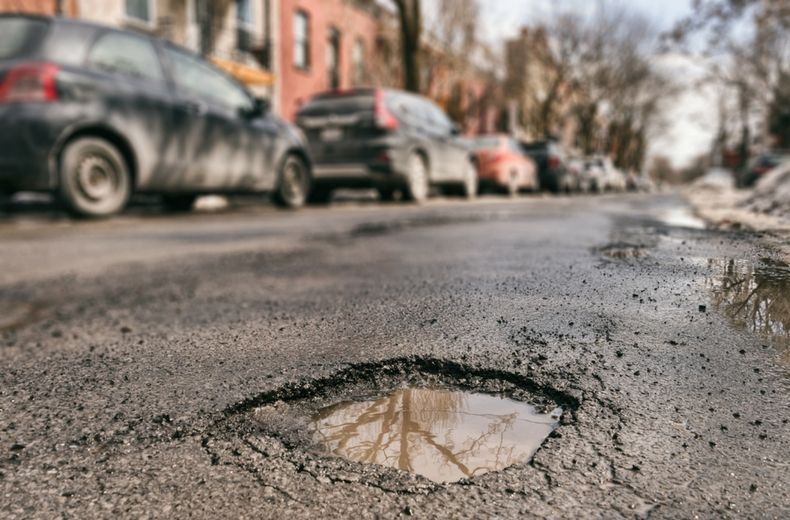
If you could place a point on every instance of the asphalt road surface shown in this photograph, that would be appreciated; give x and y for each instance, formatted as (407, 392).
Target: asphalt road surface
(135, 351)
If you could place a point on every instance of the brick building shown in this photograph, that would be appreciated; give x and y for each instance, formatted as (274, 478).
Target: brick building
(324, 45)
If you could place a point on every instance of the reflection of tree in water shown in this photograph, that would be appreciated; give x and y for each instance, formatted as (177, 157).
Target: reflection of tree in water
(753, 296)
(403, 429)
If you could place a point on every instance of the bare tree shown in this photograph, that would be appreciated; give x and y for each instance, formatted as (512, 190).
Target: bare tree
(410, 15)
(597, 75)
(754, 64)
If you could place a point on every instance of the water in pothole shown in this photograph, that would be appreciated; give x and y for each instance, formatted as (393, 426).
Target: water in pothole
(443, 435)
(754, 296)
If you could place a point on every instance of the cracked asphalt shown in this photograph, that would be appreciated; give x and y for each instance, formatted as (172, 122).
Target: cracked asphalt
(132, 351)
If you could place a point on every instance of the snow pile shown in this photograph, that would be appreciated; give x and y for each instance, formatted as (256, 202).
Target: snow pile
(771, 194)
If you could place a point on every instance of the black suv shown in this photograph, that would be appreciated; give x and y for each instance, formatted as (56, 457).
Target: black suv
(385, 139)
(550, 159)
(94, 114)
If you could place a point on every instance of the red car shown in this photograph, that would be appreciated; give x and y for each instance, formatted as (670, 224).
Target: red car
(502, 165)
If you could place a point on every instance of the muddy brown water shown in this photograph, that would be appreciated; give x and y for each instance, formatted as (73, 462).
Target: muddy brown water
(443, 435)
(753, 295)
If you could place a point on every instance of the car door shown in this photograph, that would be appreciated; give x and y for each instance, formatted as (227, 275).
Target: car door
(225, 145)
(454, 151)
(125, 72)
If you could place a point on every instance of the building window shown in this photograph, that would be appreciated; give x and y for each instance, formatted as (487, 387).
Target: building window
(358, 61)
(333, 58)
(244, 26)
(139, 11)
(301, 40)
(244, 12)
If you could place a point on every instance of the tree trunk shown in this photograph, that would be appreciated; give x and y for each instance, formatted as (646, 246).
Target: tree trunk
(410, 31)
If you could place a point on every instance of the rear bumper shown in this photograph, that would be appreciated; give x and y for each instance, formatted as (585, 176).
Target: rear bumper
(355, 175)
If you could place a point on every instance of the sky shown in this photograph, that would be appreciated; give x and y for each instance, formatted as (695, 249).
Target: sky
(691, 115)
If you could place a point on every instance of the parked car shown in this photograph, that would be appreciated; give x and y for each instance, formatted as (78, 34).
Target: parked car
(95, 114)
(385, 139)
(760, 165)
(503, 166)
(553, 173)
(594, 174)
(604, 175)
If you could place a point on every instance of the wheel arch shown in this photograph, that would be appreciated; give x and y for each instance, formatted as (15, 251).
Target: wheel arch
(103, 132)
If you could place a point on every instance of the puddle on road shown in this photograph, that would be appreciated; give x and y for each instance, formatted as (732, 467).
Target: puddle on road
(754, 296)
(442, 435)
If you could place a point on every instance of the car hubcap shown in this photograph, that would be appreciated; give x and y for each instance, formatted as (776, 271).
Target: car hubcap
(97, 179)
(419, 180)
(293, 183)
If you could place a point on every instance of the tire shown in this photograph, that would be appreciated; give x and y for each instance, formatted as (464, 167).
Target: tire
(471, 182)
(512, 185)
(179, 203)
(95, 180)
(417, 184)
(293, 184)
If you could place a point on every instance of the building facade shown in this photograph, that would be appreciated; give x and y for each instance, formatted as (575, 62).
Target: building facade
(290, 50)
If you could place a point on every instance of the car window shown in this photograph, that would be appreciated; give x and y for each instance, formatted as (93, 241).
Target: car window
(126, 55)
(440, 121)
(18, 35)
(196, 77)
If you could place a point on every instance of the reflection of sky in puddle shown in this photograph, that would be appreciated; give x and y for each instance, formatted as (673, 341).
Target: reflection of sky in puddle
(753, 296)
(442, 435)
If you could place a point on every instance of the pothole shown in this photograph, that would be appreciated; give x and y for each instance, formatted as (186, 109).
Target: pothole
(622, 250)
(394, 424)
(753, 295)
(443, 435)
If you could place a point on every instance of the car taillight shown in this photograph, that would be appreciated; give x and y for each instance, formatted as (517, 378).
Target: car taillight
(554, 162)
(32, 82)
(384, 118)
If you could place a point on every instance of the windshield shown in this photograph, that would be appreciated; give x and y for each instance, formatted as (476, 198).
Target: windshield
(19, 35)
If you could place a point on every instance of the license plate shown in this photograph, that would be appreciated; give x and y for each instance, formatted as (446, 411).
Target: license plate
(331, 135)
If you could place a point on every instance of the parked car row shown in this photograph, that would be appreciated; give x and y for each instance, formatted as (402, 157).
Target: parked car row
(95, 114)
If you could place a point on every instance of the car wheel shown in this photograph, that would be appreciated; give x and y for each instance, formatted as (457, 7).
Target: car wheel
(293, 185)
(417, 185)
(512, 184)
(179, 203)
(94, 178)
(471, 181)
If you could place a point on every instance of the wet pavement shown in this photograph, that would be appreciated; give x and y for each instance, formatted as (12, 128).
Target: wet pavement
(173, 367)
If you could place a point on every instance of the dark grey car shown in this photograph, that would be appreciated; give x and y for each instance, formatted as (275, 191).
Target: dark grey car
(95, 114)
(385, 139)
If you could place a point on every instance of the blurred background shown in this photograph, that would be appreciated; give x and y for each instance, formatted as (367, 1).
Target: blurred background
(619, 95)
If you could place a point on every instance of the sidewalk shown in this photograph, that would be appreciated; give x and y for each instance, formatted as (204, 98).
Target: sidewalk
(764, 209)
